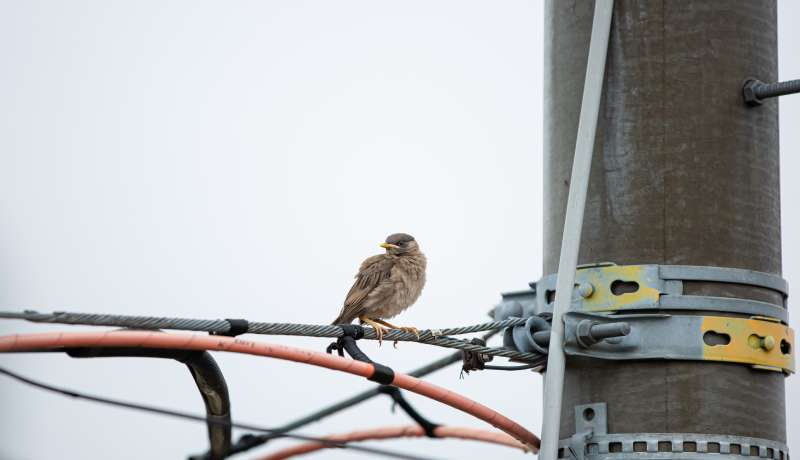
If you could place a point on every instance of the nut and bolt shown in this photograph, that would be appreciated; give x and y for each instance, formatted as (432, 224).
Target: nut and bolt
(755, 91)
(591, 332)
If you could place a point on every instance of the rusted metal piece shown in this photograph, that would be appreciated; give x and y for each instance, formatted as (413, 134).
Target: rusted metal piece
(683, 173)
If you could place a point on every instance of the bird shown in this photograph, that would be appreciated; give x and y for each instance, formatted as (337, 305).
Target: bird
(386, 284)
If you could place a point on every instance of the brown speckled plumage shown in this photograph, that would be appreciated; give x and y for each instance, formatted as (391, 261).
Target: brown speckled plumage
(386, 284)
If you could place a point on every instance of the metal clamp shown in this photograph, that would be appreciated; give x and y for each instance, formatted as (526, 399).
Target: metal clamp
(759, 342)
(673, 446)
(608, 287)
(593, 442)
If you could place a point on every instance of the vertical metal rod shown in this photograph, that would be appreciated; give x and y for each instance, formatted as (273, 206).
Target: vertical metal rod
(573, 224)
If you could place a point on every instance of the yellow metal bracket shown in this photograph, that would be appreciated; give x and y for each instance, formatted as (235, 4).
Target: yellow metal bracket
(760, 342)
(609, 287)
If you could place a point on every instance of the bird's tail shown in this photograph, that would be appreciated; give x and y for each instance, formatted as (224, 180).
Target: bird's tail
(341, 319)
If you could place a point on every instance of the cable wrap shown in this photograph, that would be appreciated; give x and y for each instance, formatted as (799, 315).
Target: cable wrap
(221, 327)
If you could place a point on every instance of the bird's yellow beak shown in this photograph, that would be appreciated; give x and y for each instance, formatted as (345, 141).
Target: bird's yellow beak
(388, 246)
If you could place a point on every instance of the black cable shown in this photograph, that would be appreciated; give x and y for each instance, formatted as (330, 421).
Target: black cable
(199, 418)
(397, 396)
(206, 373)
(383, 374)
(250, 441)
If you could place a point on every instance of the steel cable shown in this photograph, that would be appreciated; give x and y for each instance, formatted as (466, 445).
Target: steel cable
(436, 337)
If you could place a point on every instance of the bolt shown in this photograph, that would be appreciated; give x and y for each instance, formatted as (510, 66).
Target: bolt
(755, 91)
(586, 290)
(768, 343)
(591, 332)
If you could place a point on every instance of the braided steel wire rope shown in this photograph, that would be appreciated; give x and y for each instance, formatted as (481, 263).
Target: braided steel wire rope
(436, 337)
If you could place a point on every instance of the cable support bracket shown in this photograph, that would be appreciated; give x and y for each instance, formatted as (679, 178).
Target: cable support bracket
(593, 442)
(640, 312)
(762, 343)
(607, 287)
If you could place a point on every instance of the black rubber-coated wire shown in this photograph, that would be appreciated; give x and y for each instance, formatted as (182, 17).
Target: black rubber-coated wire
(207, 375)
(200, 418)
(251, 441)
(348, 343)
(399, 399)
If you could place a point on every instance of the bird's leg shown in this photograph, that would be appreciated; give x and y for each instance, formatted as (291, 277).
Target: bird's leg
(379, 330)
(411, 330)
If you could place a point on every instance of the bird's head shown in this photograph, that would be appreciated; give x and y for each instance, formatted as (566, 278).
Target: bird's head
(399, 244)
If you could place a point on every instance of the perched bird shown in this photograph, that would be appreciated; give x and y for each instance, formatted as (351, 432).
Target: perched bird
(386, 284)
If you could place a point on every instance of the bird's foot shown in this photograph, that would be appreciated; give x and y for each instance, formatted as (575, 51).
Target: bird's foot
(410, 330)
(379, 330)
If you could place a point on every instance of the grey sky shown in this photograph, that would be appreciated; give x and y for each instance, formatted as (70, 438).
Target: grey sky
(239, 159)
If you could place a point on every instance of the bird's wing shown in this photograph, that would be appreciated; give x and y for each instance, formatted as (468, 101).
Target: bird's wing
(372, 273)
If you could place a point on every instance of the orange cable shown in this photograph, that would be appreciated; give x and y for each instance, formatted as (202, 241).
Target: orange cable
(392, 432)
(155, 339)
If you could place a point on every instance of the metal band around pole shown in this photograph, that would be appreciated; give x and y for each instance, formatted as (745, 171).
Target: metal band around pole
(573, 224)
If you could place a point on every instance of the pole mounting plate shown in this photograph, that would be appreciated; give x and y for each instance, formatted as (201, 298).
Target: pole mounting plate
(614, 288)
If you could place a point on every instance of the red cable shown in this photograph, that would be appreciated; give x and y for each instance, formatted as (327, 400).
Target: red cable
(154, 339)
(391, 432)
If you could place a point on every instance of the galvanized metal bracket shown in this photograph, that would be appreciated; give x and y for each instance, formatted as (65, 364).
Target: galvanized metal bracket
(611, 288)
(591, 417)
(674, 446)
(759, 342)
(634, 312)
(590, 420)
(592, 441)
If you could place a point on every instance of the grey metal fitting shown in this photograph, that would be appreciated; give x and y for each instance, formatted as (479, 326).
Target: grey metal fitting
(586, 290)
(749, 92)
(531, 337)
(755, 91)
(591, 332)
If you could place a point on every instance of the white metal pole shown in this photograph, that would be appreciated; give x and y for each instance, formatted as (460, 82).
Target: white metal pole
(573, 224)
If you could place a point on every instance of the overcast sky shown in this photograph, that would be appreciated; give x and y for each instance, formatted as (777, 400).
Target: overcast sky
(240, 159)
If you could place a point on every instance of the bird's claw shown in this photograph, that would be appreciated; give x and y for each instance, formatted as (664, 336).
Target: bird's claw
(379, 331)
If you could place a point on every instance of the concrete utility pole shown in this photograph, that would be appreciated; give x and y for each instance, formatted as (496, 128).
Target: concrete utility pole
(684, 173)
